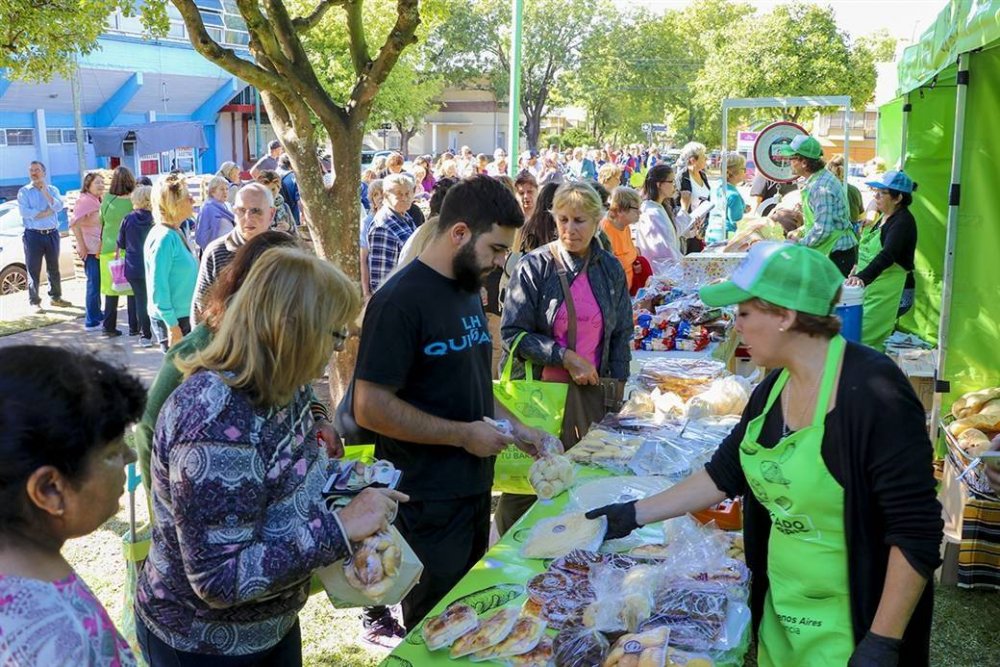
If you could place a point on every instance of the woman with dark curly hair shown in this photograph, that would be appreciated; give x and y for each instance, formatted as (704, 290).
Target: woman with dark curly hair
(62, 471)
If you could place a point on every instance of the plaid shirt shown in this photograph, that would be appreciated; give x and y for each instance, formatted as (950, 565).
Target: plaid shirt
(388, 232)
(828, 200)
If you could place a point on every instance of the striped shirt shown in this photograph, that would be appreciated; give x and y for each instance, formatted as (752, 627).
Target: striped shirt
(217, 256)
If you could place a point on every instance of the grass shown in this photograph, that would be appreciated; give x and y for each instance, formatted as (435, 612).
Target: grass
(29, 322)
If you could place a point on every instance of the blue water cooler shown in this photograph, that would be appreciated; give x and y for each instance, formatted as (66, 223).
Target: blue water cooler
(850, 310)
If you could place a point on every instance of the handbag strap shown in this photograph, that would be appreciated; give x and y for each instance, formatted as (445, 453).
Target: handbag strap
(508, 367)
(567, 294)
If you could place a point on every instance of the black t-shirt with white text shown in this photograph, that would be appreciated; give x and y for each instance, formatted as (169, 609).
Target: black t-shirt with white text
(428, 339)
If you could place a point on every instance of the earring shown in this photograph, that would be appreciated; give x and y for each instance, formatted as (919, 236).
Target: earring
(781, 329)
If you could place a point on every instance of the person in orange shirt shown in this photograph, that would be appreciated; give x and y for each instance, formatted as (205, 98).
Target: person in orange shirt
(622, 213)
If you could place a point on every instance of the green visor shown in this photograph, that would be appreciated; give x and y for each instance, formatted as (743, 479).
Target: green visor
(787, 275)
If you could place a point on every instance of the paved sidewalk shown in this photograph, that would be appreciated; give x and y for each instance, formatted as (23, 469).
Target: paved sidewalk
(124, 350)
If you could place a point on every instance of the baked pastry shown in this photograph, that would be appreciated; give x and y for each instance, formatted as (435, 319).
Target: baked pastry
(375, 564)
(452, 623)
(524, 637)
(643, 649)
(973, 402)
(678, 658)
(548, 585)
(580, 647)
(649, 552)
(540, 656)
(974, 442)
(557, 536)
(490, 632)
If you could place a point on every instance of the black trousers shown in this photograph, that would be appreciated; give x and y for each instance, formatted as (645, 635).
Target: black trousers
(511, 507)
(449, 537)
(845, 259)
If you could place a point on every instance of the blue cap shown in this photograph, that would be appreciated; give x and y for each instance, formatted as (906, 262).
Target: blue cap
(893, 180)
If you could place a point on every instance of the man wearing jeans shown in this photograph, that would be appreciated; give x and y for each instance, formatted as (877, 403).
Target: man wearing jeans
(40, 204)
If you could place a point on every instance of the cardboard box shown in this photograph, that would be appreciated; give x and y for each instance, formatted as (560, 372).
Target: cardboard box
(920, 367)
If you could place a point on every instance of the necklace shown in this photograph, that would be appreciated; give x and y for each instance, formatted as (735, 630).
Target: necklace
(803, 413)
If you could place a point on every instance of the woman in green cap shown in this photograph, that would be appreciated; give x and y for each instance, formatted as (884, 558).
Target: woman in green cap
(885, 258)
(841, 523)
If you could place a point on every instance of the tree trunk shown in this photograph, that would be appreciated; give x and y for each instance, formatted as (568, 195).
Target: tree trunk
(532, 128)
(404, 141)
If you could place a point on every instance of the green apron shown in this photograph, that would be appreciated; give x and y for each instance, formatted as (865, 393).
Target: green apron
(809, 219)
(882, 297)
(807, 613)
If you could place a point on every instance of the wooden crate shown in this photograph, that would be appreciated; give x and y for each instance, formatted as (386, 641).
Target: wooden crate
(920, 367)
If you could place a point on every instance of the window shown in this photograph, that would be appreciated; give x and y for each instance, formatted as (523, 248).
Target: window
(836, 121)
(3, 138)
(69, 136)
(53, 137)
(21, 137)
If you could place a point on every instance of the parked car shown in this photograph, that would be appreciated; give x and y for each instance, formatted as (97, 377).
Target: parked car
(13, 271)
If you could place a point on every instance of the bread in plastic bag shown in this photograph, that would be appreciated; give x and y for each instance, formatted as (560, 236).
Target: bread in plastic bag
(623, 598)
(550, 475)
(443, 629)
(679, 658)
(724, 396)
(557, 536)
(642, 649)
(375, 564)
(580, 647)
(694, 611)
(543, 655)
(490, 632)
(523, 637)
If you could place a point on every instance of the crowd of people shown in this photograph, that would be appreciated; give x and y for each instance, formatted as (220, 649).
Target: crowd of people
(233, 444)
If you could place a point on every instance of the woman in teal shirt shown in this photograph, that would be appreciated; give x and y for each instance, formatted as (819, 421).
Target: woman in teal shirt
(171, 269)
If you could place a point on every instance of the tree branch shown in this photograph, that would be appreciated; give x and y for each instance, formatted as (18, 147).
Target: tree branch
(358, 40)
(401, 36)
(226, 58)
(306, 23)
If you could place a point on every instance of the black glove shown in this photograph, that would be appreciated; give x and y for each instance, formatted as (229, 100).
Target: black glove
(876, 651)
(621, 519)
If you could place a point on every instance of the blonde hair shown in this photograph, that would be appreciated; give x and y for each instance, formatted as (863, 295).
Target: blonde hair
(140, 197)
(166, 198)
(609, 173)
(624, 197)
(217, 183)
(278, 332)
(580, 196)
(735, 163)
(226, 168)
(417, 243)
(507, 181)
(394, 160)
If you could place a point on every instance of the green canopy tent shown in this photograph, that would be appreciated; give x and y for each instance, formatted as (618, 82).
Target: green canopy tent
(942, 129)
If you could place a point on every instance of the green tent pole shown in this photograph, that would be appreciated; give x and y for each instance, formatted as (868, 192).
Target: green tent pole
(941, 386)
(514, 103)
(256, 109)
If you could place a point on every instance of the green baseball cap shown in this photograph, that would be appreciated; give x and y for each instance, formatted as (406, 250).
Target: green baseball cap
(787, 275)
(802, 145)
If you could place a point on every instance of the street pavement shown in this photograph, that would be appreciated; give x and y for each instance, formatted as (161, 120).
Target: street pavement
(124, 350)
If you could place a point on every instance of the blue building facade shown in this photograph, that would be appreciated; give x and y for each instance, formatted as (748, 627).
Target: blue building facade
(130, 80)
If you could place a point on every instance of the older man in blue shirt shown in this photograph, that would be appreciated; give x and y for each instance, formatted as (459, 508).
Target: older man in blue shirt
(40, 204)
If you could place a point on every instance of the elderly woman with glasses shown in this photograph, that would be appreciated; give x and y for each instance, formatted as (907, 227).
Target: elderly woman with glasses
(567, 311)
(623, 212)
(240, 522)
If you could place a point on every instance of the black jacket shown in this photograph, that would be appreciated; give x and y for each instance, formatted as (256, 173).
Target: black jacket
(534, 295)
(876, 446)
(899, 245)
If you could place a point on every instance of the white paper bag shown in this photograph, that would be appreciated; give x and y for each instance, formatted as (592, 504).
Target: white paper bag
(343, 596)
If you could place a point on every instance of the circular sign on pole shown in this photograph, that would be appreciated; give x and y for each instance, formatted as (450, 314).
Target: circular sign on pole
(765, 157)
(646, 127)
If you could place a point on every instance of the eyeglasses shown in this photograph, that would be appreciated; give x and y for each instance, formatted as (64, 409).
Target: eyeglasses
(339, 338)
(253, 211)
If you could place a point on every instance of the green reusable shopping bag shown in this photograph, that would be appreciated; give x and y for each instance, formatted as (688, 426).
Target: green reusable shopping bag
(537, 404)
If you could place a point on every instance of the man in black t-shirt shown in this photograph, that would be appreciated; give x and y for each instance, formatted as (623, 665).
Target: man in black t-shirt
(763, 188)
(423, 385)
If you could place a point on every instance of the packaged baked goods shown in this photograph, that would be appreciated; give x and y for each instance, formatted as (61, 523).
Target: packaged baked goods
(974, 442)
(678, 658)
(374, 564)
(580, 647)
(649, 552)
(606, 449)
(557, 536)
(543, 655)
(549, 584)
(452, 623)
(641, 649)
(490, 632)
(973, 402)
(524, 636)
(695, 612)
(550, 475)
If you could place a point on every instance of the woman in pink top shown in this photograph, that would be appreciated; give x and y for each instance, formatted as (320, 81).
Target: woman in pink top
(535, 322)
(86, 226)
(63, 415)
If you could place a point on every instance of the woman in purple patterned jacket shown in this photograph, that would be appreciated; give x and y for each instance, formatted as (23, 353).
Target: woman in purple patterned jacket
(237, 477)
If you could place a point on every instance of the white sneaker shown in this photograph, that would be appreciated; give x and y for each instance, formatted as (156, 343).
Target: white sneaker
(145, 342)
(93, 327)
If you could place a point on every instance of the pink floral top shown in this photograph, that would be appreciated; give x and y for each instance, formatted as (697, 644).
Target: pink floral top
(57, 623)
